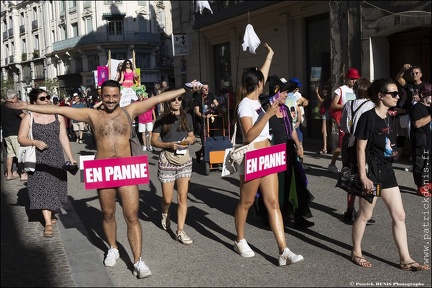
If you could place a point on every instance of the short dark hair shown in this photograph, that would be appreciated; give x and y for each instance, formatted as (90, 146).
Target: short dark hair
(110, 83)
(379, 86)
(34, 93)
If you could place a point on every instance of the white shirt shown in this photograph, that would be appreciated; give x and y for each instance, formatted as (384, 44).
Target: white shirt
(253, 109)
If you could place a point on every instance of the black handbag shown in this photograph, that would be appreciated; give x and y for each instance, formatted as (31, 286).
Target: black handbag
(135, 144)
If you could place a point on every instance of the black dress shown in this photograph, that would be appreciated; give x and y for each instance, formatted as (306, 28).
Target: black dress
(47, 186)
(294, 196)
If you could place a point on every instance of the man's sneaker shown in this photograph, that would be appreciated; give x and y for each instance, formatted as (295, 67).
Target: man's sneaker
(243, 249)
(288, 257)
(77, 140)
(150, 148)
(350, 217)
(166, 223)
(112, 255)
(332, 168)
(141, 270)
(80, 141)
(183, 238)
(144, 148)
(189, 86)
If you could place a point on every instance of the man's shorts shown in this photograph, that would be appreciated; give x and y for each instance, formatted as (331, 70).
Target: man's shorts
(143, 127)
(78, 126)
(168, 172)
(12, 145)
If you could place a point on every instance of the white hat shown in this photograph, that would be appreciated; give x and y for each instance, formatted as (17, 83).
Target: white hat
(75, 94)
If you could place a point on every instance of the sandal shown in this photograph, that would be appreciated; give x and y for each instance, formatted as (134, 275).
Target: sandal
(412, 267)
(48, 231)
(360, 260)
(322, 152)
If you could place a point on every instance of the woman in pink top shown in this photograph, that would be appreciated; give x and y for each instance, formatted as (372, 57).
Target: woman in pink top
(145, 124)
(128, 76)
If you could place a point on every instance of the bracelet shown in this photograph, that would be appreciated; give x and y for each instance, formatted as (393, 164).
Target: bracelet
(270, 58)
(300, 146)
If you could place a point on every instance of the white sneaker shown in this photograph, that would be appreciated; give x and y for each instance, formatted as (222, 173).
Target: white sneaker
(166, 223)
(112, 255)
(288, 257)
(144, 148)
(150, 148)
(183, 238)
(243, 249)
(189, 86)
(333, 169)
(141, 270)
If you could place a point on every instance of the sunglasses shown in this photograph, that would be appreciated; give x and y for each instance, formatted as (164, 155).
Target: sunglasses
(394, 94)
(179, 99)
(43, 98)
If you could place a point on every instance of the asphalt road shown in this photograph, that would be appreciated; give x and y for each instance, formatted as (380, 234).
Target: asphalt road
(211, 260)
(74, 256)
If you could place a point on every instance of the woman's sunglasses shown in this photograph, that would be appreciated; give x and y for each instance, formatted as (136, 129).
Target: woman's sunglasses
(179, 99)
(43, 98)
(394, 94)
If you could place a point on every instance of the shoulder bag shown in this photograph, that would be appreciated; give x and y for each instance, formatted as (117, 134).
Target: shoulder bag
(27, 154)
(135, 144)
(237, 153)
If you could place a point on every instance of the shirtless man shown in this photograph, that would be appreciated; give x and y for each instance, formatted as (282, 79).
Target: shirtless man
(111, 130)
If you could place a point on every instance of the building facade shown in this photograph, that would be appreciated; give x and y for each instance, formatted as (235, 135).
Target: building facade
(58, 44)
(315, 41)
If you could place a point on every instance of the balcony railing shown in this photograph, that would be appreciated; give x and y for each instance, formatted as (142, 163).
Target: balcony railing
(22, 29)
(34, 24)
(97, 38)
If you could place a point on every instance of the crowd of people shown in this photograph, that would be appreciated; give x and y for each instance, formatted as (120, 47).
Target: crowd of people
(362, 113)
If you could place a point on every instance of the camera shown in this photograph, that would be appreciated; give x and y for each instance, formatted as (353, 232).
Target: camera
(274, 98)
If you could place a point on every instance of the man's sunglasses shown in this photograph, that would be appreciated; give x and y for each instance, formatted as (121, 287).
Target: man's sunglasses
(179, 99)
(48, 97)
(394, 94)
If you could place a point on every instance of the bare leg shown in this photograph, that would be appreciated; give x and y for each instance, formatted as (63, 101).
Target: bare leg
(129, 196)
(107, 200)
(248, 191)
(324, 134)
(182, 192)
(167, 196)
(269, 188)
(47, 216)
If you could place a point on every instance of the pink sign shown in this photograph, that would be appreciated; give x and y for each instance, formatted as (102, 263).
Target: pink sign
(102, 72)
(115, 172)
(265, 161)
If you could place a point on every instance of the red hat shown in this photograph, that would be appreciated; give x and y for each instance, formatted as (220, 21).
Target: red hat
(353, 74)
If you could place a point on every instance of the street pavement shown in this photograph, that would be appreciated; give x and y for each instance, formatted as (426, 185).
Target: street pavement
(74, 256)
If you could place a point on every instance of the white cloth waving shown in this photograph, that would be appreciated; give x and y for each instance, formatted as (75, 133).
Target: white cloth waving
(200, 5)
(250, 39)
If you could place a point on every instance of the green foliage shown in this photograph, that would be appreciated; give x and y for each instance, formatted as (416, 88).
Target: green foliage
(6, 85)
(52, 86)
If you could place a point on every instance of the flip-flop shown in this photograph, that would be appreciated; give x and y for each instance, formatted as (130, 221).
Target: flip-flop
(13, 178)
(412, 267)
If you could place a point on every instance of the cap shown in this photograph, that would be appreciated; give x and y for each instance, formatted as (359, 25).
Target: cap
(277, 84)
(353, 74)
(75, 94)
(296, 80)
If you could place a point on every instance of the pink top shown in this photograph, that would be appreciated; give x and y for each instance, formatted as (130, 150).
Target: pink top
(128, 80)
(147, 116)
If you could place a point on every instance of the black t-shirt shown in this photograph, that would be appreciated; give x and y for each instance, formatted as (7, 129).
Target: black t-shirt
(206, 103)
(10, 121)
(412, 89)
(173, 134)
(379, 133)
(419, 111)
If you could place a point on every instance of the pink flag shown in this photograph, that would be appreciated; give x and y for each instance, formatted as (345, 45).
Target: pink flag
(102, 74)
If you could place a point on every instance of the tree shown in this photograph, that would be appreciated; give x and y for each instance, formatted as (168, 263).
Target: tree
(6, 85)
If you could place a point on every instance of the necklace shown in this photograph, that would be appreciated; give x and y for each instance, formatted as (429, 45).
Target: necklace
(387, 121)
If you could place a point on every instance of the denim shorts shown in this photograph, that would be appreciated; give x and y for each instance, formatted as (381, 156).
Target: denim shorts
(168, 172)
